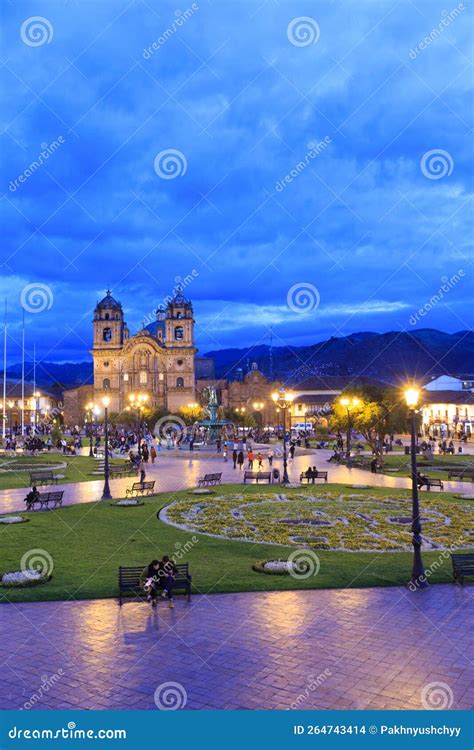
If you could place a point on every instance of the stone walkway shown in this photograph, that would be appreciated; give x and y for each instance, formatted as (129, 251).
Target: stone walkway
(171, 474)
(326, 649)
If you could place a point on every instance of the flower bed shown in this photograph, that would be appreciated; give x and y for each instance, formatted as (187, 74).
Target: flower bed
(349, 522)
(275, 567)
(24, 578)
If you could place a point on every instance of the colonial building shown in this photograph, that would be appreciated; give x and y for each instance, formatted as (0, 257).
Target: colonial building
(158, 361)
(448, 406)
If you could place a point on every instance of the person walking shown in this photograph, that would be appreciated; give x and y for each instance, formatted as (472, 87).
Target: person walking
(153, 454)
(270, 458)
(234, 458)
(260, 461)
(142, 470)
(240, 460)
(250, 457)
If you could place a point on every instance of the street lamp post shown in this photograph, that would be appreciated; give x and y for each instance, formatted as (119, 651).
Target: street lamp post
(418, 577)
(106, 495)
(90, 410)
(10, 406)
(349, 403)
(284, 398)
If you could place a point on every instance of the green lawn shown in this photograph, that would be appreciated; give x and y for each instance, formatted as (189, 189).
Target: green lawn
(88, 542)
(79, 468)
(402, 463)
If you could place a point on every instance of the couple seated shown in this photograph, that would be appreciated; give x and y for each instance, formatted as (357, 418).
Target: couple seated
(159, 576)
(311, 473)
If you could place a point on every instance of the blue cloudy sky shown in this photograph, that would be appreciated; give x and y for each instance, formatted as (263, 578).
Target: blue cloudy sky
(358, 236)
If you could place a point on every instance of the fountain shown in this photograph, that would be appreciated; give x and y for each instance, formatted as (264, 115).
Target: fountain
(213, 425)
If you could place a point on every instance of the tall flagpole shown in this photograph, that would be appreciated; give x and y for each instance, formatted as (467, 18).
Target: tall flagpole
(4, 426)
(23, 376)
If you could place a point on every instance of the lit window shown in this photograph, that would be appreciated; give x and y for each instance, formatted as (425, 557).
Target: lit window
(125, 376)
(143, 377)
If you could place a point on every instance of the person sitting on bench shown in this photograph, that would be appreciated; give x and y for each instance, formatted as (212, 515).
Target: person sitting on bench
(166, 574)
(32, 496)
(149, 581)
(309, 473)
(422, 479)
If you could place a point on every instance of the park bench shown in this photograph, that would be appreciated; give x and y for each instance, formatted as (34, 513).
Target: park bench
(129, 581)
(461, 474)
(429, 482)
(45, 498)
(463, 565)
(141, 488)
(122, 470)
(209, 479)
(42, 477)
(314, 475)
(265, 476)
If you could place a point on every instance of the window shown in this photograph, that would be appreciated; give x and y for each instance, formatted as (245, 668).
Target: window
(125, 376)
(107, 316)
(143, 377)
(106, 384)
(179, 362)
(106, 363)
(107, 334)
(179, 333)
(179, 382)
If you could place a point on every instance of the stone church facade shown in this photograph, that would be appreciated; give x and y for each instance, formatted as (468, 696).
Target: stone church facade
(157, 361)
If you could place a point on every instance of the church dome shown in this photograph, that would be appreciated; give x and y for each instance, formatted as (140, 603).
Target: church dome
(109, 303)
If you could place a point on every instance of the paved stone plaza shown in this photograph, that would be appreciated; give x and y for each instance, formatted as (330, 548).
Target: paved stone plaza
(327, 649)
(173, 473)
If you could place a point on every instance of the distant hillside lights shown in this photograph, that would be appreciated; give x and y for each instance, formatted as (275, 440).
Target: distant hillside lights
(446, 286)
(314, 150)
(47, 149)
(172, 29)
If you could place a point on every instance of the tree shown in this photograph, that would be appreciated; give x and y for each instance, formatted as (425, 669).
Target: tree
(380, 412)
(191, 414)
